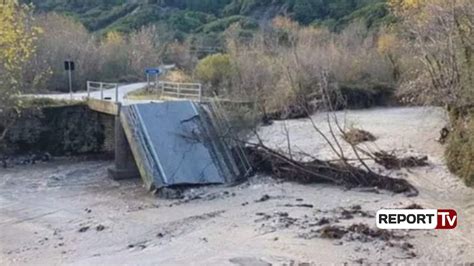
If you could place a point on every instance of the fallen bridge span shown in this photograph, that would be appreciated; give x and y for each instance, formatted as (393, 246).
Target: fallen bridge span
(177, 143)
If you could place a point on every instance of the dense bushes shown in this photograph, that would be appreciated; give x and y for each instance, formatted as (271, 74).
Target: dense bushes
(439, 34)
(283, 66)
(460, 148)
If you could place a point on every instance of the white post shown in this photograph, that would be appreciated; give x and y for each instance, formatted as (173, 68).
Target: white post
(179, 90)
(70, 83)
(147, 81)
(162, 89)
(116, 93)
(101, 91)
(88, 90)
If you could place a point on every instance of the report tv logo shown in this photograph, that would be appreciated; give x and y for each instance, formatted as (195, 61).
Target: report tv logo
(417, 219)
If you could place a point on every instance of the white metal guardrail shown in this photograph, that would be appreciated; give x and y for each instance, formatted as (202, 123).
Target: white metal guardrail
(192, 91)
(181, 90)
(93, 86)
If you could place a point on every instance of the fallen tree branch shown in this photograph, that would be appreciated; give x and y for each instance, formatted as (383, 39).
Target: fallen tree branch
(390, 161)
(266, 160)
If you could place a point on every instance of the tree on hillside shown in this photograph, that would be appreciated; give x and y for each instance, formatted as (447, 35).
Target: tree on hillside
(64, 39)
(146, 50)
(114, 52)
(442, 34)
(303, 11)
(442, 31)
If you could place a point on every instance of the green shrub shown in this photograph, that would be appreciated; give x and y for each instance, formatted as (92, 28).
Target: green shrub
(222, 24)
(216, 70)
(460, 149)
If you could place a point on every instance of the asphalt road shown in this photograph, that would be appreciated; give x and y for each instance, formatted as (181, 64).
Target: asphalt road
(108, 93)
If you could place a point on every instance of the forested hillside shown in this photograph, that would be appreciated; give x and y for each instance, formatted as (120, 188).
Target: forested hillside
(210, 16)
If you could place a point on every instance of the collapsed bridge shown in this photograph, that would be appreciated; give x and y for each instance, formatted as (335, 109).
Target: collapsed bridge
(177, 142)
(170, 143)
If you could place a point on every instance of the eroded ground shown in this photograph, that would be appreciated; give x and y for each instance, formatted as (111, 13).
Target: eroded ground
(65, 212)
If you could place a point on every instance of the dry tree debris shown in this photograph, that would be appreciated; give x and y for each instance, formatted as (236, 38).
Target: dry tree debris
(364, 232)
(332, 232)
(360, 232)
(391, 161)
(100, 228)
(263, 198)
(268, 161)
(355, 210)
(283, 165)
(355, 136)
(414, 206)
(83, 229)
(443, 135)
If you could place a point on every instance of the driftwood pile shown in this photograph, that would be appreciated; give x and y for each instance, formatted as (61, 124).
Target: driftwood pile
(290, 112)
(266, 160)
(391, 161)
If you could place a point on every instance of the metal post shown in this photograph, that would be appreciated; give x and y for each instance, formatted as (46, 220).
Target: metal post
(162, 89)
(148, 80)
(88, 90)
(70, 82)
(179, 90)
(101, 91)
(200, 93)
(116, 93)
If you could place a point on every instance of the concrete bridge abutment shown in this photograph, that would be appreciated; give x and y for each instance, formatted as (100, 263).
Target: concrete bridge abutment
(124, 165)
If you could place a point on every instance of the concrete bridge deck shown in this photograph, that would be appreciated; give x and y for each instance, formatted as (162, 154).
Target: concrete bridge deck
(110, 93)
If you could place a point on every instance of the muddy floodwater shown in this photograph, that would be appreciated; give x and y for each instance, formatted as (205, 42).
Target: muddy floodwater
(69, 212)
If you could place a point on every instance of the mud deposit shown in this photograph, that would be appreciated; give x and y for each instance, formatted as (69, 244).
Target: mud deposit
(63, 212)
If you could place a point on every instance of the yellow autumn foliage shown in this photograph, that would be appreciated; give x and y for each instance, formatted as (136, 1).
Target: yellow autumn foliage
(17, 44)
(401, 6)
(386, 43)
(114, 38)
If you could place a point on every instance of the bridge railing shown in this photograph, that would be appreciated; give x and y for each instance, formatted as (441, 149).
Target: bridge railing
(181, 90)
(94, 86)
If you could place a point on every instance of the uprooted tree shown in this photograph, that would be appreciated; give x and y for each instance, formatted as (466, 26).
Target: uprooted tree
(348, 169)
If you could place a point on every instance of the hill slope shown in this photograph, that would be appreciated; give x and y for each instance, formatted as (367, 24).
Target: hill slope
(207, 16)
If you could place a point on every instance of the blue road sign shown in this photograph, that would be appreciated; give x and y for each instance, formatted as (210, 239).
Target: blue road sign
(152, 71)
